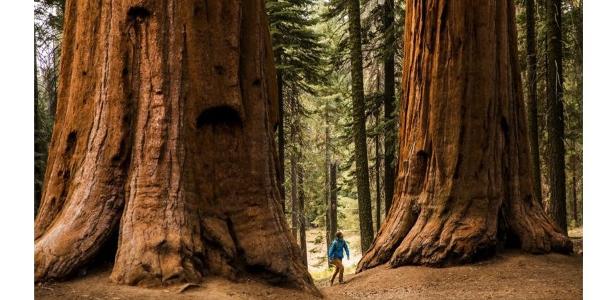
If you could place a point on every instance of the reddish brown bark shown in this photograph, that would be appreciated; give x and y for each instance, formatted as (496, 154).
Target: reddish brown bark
(464, 183)
(165, 130)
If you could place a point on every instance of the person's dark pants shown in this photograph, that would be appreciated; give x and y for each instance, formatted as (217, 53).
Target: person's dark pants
(339, 268)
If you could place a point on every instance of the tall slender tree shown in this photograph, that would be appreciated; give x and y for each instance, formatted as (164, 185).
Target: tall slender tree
(301, 212)
(532, 98)
(333, 200)
(377, 172)
(294, 196)
(388, 20)
(327, 166)
(165, 133)
(38, 145)
(49, 20)
(280, 132)
(555, 115)
(575, 211)
(298, 54)
(358, 125)
(464, 184)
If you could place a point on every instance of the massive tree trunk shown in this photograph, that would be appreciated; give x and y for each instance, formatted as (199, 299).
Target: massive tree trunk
(555, 115)
(165, 131)
(532, 101)
(464, 184)
(388, 20)
(358, 125)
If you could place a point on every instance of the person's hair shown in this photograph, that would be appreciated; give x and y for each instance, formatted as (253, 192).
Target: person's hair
(338, 234)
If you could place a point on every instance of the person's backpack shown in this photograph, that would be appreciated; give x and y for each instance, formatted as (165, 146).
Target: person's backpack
(333, 248)
(335, 245)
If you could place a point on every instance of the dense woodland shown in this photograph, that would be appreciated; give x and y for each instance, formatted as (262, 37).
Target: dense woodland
(338, 70)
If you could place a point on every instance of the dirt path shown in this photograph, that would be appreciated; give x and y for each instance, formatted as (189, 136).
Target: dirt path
(97, 286)
(511, 275)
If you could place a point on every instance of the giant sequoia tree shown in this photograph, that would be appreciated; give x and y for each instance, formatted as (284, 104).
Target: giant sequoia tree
(164, 132)
(464, 184)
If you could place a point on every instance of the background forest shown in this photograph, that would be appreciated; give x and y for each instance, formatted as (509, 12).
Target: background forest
(339, 130)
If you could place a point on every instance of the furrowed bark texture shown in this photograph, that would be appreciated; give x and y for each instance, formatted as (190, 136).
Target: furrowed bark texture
(165, 131)
(464, 184)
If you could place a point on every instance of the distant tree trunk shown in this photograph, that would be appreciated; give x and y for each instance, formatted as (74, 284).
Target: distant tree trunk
(301, 215)
(464, 183)
(327, 177)
(578, 21)
(294, 201)
(388, 21)
(532, 102)
(38, 146)
(575, 213)
(333, 201)
(555, 115)
(378, 200)
(280, 85)
(577, 157)
(165, 132)
(358, 125)
(52, 86)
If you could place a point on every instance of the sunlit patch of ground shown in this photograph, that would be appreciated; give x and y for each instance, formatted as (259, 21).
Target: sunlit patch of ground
(316, 241)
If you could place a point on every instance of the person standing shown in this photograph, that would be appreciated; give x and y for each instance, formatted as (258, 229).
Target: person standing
(336, 254)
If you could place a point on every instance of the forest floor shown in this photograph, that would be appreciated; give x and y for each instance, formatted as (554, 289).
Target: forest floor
(509, 275)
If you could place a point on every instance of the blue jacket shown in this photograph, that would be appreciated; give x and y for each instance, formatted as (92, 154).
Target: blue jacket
(337, 248)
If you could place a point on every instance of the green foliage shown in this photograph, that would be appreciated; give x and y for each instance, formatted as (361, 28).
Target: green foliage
(296, 44)
(311, 50)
